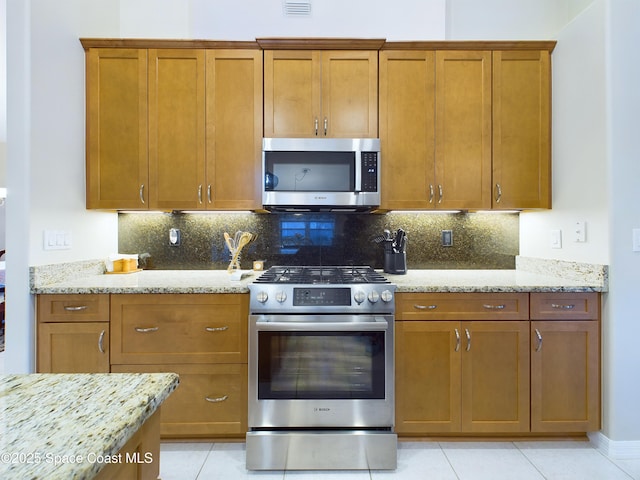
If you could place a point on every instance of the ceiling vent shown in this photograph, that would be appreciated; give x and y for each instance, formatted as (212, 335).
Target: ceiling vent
(297, 8)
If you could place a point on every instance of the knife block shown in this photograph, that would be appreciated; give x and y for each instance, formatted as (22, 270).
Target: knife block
(395, 262)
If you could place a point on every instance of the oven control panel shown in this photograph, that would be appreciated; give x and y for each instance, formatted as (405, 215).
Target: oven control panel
(321, 296)
(319, 299)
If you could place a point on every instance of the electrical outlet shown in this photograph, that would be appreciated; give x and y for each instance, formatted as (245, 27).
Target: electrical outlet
(580, 232)
(174, 237)
(447, 238)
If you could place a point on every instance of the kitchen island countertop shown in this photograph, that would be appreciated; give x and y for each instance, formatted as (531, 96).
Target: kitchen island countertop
(530, 275)
(61, 425)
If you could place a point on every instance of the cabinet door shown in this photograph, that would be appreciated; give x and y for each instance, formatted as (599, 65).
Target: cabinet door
(521, 129)
(81, 347)
(179, 328)
(428, 377)
(211, 400)
(407, 120)
(234, 129)
(349, 94)
(495, 377)
(176, 129)
(291, 93)
(463, 129)
(565, 376)
(117, 163)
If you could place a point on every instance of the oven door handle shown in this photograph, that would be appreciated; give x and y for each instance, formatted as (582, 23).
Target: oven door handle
(377, 324)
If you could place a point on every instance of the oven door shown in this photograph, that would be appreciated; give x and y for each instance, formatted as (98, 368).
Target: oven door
(320, 371)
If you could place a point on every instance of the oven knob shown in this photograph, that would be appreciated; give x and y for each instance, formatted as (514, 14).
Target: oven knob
(386, 296)
(262, 297)
(281, 297)
(359, 297)
(373, 296)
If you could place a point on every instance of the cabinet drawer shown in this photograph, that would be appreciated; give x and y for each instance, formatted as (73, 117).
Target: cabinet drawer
(73, 308)
(200, 328)
(565, 306)
(211, 400)
(462, 306)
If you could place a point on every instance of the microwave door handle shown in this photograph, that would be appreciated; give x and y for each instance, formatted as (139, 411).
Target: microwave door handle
(358, 172)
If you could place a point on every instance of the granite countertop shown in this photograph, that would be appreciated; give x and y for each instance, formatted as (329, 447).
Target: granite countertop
(530, 275)
(70, 419)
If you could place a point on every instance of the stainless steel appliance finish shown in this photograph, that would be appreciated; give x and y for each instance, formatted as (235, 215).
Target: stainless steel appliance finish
(321, 373)
(321, 174)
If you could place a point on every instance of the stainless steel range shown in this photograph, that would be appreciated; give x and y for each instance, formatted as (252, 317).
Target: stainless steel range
(321, 370)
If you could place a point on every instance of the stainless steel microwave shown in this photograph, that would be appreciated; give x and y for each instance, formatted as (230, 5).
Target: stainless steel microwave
(321, 174)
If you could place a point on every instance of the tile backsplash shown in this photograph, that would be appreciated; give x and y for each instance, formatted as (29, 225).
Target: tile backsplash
(480, 240)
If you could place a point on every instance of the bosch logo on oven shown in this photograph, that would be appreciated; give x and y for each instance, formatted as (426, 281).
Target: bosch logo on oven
(321, 409)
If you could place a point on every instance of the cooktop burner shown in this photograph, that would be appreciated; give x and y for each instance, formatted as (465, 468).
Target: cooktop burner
(321, 275)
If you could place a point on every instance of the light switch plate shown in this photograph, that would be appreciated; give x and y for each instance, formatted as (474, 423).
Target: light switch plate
(636, 239)
(57, 240)
(556, 238)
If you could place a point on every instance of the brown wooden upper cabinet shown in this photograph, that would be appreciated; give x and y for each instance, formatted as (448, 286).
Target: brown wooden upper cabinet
(465, 129)
(521, 129)
(173, 128)
(321, 93)
(116, 138)
(435, 129)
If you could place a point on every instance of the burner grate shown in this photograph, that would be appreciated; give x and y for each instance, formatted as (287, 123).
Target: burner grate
(321, 275)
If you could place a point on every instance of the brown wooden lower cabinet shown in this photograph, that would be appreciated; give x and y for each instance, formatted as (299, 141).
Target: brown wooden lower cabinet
(211, 400)
(81, 347)
(538, 374)
(565, 376)
(462, 377)
(145, 445)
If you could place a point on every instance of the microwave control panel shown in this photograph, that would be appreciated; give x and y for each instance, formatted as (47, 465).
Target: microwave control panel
(369, 171)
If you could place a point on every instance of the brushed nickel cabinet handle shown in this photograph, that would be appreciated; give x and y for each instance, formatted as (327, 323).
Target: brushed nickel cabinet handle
(315, 123)
(539, 337)
(468, 334)
(75, 308)
(216, 329)
(209, 193)
(559, 306)
(200, 194)
(498, 193)
(457, 339)
(101, 341)
(141, 193)
(431, 193)
(326, 125)
(147, 329)
(425, 307)
(216, 399)
(439, 193)
(494, 307)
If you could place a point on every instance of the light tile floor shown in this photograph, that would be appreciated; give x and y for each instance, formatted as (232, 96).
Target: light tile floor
(521, 460)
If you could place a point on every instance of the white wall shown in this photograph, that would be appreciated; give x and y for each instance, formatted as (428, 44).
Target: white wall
(622, 391)
(580, 167)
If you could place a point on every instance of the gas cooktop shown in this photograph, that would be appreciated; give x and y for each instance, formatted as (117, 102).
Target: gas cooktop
(321, 275)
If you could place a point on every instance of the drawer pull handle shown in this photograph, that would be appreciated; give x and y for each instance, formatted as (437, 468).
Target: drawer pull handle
(216, 399)
(494, 307)
(425, 307)
(562, 307)
(101, 341)
(468, 334)
(216, 329)
(457, 339)
(539, 336)
(147, 329)
(75, 308)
